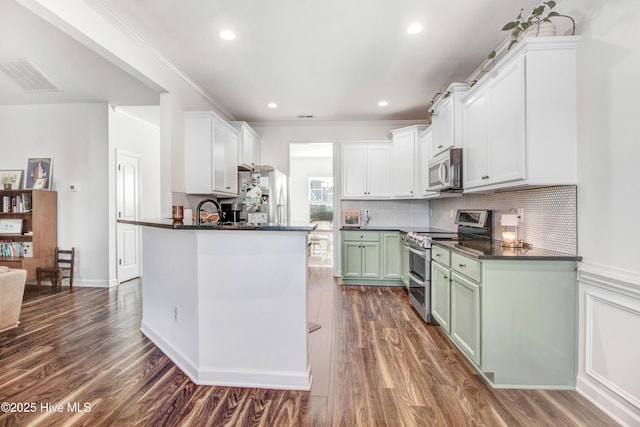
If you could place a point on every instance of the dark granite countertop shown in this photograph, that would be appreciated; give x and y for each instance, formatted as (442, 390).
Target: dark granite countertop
(401, 228)
(171, 224)
(492, 251)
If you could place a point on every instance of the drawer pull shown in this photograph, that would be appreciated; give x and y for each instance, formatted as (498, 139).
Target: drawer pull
(446, 277)
(462, 265)
(438, 255)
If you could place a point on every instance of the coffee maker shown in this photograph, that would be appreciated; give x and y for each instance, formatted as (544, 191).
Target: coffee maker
(233, 213)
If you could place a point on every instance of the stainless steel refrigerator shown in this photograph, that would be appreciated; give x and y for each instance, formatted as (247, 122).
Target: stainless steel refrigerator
(264, 191)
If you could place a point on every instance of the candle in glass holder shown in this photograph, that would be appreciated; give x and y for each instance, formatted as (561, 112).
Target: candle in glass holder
(509, 237)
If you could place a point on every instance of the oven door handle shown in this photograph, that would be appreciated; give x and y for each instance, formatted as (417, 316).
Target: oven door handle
(417, 279)
(422, 253)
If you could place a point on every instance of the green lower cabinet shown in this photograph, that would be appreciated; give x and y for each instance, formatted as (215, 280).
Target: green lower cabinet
(351, 259)
(465, 316)
(361, 259)
(441, 296)
(529, 324)
(371, 258)
(516, 320)
(392, 255)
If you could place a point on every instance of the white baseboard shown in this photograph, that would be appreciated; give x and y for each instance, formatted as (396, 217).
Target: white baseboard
(281, 380)
(83, 283)
(607, 403)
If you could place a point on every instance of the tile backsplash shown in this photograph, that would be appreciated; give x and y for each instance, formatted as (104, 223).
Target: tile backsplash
(411, 213)
(550, 219)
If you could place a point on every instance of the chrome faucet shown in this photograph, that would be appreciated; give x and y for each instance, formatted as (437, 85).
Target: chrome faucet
(199, 208)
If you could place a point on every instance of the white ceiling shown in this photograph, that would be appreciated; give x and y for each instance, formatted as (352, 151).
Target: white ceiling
(82, 75)
(333, 59)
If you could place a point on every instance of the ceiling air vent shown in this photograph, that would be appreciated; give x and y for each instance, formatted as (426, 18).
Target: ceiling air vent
(27, 76)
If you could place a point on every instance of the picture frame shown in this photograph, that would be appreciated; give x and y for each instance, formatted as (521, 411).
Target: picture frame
(39, 173)
(13, 177)
(10, 226)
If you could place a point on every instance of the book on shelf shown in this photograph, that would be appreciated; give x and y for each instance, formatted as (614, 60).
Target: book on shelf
(26, 202)
(9, 249)
(16, 204)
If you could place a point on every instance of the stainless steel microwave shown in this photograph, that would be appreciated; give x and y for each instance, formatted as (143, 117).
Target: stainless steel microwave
(445, 171)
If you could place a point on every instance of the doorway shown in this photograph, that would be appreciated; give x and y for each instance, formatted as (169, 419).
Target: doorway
(312, 196)
(128, 235)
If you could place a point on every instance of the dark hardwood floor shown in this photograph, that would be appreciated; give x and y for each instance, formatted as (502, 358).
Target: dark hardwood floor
(374, 364)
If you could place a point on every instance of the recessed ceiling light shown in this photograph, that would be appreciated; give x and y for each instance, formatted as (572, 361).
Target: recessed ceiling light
(414, 28)
(383, 103)
(272, 105)
(227, 35)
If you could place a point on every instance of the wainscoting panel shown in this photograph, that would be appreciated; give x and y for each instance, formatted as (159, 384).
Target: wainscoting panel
(609, 368)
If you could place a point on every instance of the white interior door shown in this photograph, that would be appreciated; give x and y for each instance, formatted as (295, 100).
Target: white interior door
(128, 235)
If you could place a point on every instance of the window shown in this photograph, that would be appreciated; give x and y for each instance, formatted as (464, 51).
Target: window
(321, 199)
(321, 190)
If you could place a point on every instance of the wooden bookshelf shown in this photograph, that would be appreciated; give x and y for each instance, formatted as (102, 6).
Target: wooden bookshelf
(39, 227)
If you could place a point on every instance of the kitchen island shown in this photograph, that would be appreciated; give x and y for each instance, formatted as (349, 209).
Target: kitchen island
(228, 304)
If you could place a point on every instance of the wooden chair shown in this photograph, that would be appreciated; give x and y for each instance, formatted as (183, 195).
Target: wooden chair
(62, 270)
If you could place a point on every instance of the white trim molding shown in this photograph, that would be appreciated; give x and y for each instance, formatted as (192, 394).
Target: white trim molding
(609, 374)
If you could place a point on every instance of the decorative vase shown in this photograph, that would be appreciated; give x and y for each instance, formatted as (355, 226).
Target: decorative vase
(543, 29)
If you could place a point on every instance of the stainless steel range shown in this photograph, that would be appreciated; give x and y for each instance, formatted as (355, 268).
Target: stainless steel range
(473, 226)
(418, 245)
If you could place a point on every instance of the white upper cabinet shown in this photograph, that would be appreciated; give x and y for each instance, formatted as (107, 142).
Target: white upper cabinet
(519, 120)
(211, 155)
(445, 119)
(366, 170)
(425, 139)
(493, 129)
(248, 146)
(404, 164)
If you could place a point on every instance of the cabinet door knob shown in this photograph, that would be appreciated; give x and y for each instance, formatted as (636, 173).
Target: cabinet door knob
(462, 265)
(439, 146)
(438, 255)
(446, 277)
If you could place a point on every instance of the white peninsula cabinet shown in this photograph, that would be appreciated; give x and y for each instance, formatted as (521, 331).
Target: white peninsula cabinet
(211, 154)
(248, 146)
(519, 120)
(405, 161)
(366, 170)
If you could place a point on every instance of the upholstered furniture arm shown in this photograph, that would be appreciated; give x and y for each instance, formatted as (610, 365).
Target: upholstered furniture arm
(12, 283)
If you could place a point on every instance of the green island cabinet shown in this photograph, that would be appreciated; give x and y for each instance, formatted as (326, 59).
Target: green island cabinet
(372, 257)
(514, 319)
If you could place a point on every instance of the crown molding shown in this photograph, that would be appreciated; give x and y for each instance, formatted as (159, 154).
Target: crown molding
(320, 123)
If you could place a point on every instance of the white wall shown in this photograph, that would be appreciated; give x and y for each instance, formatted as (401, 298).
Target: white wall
(276, 137)
(82, 139)
(75, 136)
(608, 196)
